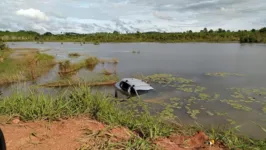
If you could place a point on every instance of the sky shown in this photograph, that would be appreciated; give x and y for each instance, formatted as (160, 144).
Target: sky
(89, 16)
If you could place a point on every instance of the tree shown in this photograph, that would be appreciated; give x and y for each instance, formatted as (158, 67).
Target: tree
(47, 34)
(253, 30)
(205, 30)
(115, 32)
(263, 30)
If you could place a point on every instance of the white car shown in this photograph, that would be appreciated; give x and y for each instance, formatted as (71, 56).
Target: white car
(132, 87)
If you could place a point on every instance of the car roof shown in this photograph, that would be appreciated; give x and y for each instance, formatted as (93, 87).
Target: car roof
(138, 84)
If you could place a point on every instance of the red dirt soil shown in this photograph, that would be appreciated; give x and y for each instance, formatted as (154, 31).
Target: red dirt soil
(71, 134)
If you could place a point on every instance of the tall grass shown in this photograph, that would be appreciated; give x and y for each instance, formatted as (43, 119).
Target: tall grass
(81, 101)
(30, 66)
(102, 107)
(91, 61)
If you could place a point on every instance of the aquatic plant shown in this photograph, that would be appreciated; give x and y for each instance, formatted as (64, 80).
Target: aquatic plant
(165, 79)
(192, 113)
(92, 61)
(221, 113)
(73, 54)
(223, 74)
(216, 96)
(236, 105)
(134, 51)
(264, 109)
(209, 113)
(231, 121)
(204, 96)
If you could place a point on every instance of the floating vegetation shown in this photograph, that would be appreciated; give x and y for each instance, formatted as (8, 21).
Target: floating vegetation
(192, 113)
(250, 91)
(216, 96)
(232, 122)
(221, 114)
(175, 99)
(209, 113)
(223, 74)
(191, 99)
(204, 96)
(134, 51)
(189, 90)
(73, 55)
(264, 109)
(164, 79)
(238, 95)
(236, 105)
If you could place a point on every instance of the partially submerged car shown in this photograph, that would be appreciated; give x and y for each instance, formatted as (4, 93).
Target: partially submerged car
(132, 87)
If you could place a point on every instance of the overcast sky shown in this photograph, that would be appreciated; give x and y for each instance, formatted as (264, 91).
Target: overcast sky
(86, 16)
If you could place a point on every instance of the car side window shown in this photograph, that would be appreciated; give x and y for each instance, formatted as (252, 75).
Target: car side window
(132, 91)
(124, 86)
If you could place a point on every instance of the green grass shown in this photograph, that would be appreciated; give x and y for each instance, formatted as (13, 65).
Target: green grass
(28, 67)
(105, 108)
(99, 106)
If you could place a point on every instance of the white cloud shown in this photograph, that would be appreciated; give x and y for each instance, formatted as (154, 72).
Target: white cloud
(131, 15)
(33, 13)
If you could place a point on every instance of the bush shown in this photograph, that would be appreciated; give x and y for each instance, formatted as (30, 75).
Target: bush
(2, 46)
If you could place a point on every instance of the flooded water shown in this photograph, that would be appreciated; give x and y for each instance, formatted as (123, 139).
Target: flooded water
(188, 60)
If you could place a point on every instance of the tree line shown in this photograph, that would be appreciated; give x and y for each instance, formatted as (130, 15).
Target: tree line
(205, 35)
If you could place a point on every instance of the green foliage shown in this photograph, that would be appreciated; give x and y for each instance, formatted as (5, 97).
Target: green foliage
(43, 56)
(205, 35)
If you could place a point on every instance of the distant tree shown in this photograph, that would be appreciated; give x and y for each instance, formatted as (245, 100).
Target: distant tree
(47, 34)
(263, 30)
(115, 32)
(211, 31)
(253, 30)
(205, 30)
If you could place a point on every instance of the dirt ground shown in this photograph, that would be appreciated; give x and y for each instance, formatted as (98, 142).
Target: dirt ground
(85, 133)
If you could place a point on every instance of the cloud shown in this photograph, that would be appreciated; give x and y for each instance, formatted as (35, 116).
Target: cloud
(162, 16)
(33, 13)
(130, 15)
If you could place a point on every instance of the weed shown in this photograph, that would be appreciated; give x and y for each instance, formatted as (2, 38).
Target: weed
(73, 55)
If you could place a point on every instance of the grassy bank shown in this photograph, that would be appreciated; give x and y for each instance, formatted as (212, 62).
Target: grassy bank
(23, 65)
(134, 115)
(102, 80)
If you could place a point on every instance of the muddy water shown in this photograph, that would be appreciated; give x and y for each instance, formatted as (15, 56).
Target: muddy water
(189, 60)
